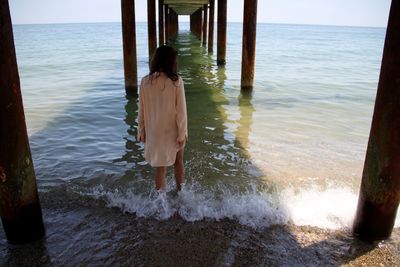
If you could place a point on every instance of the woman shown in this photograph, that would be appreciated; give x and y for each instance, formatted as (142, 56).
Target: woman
(162, 122)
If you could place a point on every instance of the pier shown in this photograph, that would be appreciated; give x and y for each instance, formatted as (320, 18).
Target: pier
(20, 210)
(380, 188)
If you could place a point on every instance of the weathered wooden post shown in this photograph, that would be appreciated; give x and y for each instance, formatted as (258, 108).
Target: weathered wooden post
(170, 25)
(193, 19)
(191, 23)
(176, 23)
(380, 187)
(211, 27)
(151, 27)
(129, 46)
(221, 46)
(205, 11)
(166, 18)
(249, 44)
(20, 210)
(200, 23)
(197, 22)
(160, 22)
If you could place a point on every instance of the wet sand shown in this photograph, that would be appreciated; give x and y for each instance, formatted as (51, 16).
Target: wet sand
(83, 232)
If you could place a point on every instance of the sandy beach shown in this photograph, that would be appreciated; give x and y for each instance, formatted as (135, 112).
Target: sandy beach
(95, 235)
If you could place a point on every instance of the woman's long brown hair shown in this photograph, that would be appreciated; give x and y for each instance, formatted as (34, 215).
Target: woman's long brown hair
(164, 60)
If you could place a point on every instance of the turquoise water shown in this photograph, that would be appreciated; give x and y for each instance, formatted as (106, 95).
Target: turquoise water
(291, 152)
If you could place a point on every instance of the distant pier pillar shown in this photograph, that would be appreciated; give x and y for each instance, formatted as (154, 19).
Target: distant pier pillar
(151, 27)
(20, 209)
(196, 19)
(166, 21)
(221, 46)
(129, 46)
(249, 44)
(191, 23)
(160, 22)
(173, 28)
(380, 187)
(205, 13)
(176, 23)
(200, 23)
(170, 25)
(211, 27)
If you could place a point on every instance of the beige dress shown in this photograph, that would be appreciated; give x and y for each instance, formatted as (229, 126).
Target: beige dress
(162, 119)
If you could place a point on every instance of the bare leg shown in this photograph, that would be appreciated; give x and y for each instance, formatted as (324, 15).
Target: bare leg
(179, 170)
(160, 178)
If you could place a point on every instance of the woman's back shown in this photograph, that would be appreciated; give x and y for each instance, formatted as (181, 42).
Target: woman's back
(162, 120)
(164, 114)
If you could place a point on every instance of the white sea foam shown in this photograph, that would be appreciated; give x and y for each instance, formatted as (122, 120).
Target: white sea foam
(333, 208)
(252, 209)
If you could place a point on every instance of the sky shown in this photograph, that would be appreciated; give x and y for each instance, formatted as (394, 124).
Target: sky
(323, 12)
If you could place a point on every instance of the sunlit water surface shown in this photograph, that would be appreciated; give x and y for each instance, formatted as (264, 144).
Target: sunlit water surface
(291, 152)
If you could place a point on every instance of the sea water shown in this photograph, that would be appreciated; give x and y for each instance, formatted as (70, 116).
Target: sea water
(292, 152)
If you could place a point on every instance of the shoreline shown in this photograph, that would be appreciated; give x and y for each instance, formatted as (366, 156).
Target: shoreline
(87, 234)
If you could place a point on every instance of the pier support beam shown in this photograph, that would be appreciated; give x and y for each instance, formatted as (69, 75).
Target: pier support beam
(176, 24)
(196, 22)
(160, 22)
(249, 44)
(174, 29)
(129, 46)
(221, 46)
(380, 187)
(20, 210)
(211, 27)
(151, 27)
(200, 23)
(205, 13)
(166, 19)
(170, 25)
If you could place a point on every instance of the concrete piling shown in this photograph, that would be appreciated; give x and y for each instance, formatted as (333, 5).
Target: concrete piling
(129, 46)
(160, 22)
(249, 44)
(221, 45)
(380, 187)
(211, 27)
(166, 21)
(151, 27)
(205, 13)
(20, 209)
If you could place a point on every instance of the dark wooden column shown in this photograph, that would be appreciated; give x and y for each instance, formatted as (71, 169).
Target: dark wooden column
(200, 23)
(211, 27)
(197, 22)
(170, 25)
(177, 23)
(380, 187)
(205, 13)
(20, 210)
(173, 23)
(160, 22)
(129, 46)
(191, 23)
(221, 46)
(166, 19)
(151, 27)
(249, 44)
